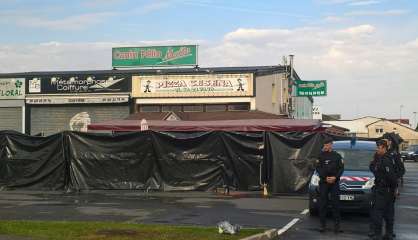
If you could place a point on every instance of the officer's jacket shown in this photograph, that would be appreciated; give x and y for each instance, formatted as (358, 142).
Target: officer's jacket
(397, 162)
(384, 171)
(330, 164)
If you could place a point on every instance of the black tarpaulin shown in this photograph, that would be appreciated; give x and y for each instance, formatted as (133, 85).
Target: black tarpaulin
(201, 161)
(103, 161)
(32, 162)
(290, 160)
(165, 161)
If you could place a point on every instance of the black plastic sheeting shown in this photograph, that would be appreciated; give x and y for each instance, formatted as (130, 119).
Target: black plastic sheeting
(32, 162)
(291, 159)
(158, 160)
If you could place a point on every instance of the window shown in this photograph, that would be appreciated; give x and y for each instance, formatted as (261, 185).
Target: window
(149, 108)
(215, 108)
(239, 107)
(172, 108)
(193, 108)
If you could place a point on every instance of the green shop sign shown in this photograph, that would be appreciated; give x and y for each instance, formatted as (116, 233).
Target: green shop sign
(311, 88)
(154, 56)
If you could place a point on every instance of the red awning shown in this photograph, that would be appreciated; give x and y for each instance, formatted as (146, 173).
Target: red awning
(247, 125)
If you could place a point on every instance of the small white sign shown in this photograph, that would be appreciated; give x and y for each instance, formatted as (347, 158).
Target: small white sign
(35, 85)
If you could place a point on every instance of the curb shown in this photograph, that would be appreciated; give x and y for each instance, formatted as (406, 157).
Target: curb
(267, 235)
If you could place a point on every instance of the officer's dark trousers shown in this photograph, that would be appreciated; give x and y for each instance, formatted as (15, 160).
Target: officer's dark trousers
(329, 193)
(383, 209)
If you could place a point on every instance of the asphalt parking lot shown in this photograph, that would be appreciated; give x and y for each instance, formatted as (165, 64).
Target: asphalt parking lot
(201, 208)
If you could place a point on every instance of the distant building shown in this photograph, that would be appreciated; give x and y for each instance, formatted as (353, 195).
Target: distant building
(373, 127)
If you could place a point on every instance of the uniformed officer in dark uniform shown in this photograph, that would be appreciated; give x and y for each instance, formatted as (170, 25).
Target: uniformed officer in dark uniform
(393, 141)
(330, 167)
(384, 191)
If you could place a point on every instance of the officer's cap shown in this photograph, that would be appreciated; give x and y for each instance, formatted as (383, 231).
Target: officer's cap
(382, 142)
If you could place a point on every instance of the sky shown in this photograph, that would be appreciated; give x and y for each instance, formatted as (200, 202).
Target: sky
(367, 50)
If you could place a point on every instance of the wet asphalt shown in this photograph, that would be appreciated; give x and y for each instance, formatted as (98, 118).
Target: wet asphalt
(203, 208)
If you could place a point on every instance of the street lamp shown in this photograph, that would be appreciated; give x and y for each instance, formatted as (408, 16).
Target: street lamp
(400, 113)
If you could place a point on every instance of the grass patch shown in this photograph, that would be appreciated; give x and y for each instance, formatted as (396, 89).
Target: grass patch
(53, 230)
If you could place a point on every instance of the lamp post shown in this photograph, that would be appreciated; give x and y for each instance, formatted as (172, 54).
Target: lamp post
(400, 113)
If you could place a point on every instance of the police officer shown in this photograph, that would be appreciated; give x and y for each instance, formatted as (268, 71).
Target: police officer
(384, 191)
(393, 142)
(330, 168)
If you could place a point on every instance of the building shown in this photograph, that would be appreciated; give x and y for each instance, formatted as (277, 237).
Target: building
(212, 90)
(12, 104)
(70, 100)
(373, 127)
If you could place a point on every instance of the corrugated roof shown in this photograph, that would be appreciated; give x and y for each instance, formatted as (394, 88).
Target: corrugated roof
(206, 116)
(206, 70)
(247, 125)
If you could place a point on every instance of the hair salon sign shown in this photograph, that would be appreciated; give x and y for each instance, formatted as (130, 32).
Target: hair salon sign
(193, 85)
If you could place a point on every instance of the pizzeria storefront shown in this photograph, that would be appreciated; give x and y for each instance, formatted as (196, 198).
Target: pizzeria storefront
(72, 101)
(194, 92)
(12, 104)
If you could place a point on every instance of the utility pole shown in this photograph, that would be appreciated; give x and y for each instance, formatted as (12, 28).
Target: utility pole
(400, 113)
(415, 121)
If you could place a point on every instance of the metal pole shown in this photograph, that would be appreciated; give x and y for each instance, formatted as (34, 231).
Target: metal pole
(415, 120)
(291, 103)
(400, 113)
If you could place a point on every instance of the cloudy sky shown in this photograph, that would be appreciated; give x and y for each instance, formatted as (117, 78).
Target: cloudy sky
(366, 49)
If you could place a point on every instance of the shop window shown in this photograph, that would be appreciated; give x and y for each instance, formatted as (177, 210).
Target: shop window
(149, 108)
(193, 108)
(171, 108)
(216, 108)
(239, 107)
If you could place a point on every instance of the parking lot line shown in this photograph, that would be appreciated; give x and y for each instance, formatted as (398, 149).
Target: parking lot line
(304, 212)
(289, 225)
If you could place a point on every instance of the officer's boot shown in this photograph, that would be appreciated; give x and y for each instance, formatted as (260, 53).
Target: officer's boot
(323, 226)
(388, 236)
(371, 230)
(337, 228)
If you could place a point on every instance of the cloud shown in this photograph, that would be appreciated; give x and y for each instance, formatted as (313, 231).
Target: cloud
(359, 70)
(245, 34)
(101, 3)
(363, 3)
(76, 22)
(394, 12)
(358, 30)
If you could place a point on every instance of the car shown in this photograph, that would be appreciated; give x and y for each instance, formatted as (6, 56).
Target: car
(356, 181)
(411, 153)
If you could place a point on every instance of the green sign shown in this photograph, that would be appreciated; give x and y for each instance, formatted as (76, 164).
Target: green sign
(154, 56)
(311, 88)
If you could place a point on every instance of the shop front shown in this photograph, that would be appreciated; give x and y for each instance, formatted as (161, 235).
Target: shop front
(70, 102)
(194, 92)
(12, 104)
